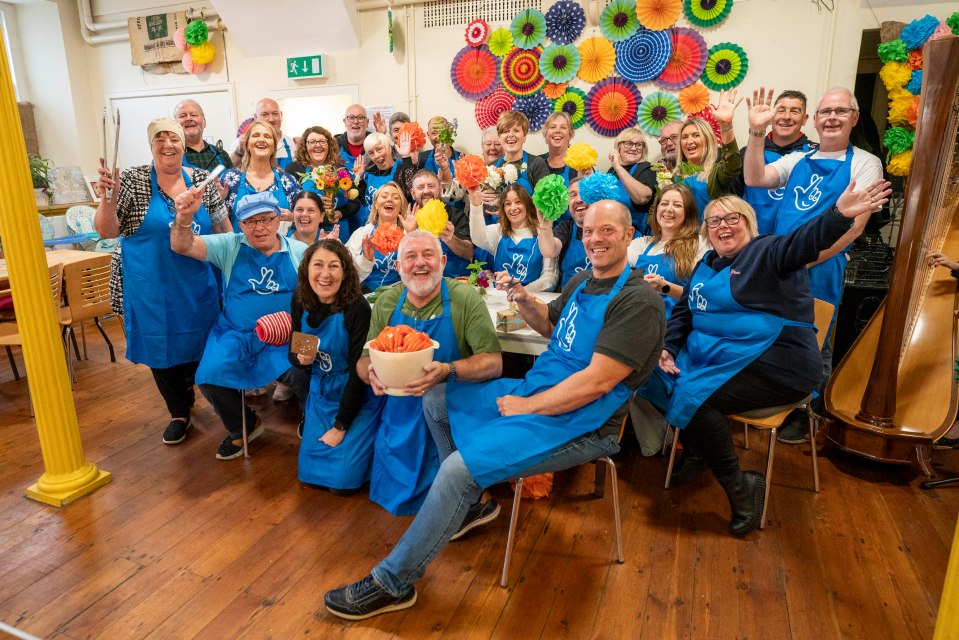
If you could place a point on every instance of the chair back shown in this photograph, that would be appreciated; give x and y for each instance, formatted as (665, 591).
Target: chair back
(80, 220)
(46, 227)
(88, 288)
(823, 311)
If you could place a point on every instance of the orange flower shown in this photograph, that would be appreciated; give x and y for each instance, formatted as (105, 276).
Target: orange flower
(912, 113)
(694, 98)
(345, 184)
(915, 59)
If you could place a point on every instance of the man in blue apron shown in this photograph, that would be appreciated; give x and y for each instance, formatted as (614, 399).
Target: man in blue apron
(669, 142)
(405, 457)
(812, 183)
(351, 141)
(268, 111)
(259, 277)
(198, 152)
(606, 335)
(455, 239)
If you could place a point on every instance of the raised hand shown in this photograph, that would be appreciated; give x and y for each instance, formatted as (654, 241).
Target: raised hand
(378, 123)
(614, 161)
(447, 234)
(188, 202)
(760, 109)
(334, 233)
(872, 198)
(543, 222)
(476, 196)
(367, 247)
(108, 184)
(359, 168)
(726, 108)
(408, 222)
(403, 145)
(222, 188)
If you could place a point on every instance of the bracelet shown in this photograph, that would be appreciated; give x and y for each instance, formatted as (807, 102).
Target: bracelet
(723, 129)
(757, 134)
(176, 219)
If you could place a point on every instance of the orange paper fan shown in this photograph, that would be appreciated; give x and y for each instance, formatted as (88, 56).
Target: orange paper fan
(657, 15)
(694, 98)
(597, 59)
(553, 90)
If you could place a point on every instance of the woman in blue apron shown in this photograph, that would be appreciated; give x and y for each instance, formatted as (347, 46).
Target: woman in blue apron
(628, 163)
(383, 169)
(308, 215)
(342, 414)
(558, 132)
(405, 459)
(513, 127)
(376, 268)
(321, 149)
(513, 241)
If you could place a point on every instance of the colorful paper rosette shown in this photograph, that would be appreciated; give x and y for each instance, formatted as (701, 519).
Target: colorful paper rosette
(706, 13)
(553, 90)
(581, 156)
(488, 109)
(551, 197)
(656, 110)
(687, 61)
(536, 108)
(565, 21)
(644, 56)
(573, 103)
(658, 14)
(612, 105)
(597, 58)
(477, 32)
(618, 21)
(470, 170)
(519, 71)
(528, 28)
(694, 98)
(726, 66)
(559, 62)
(474, 72)
(707, 115)
(500, 42)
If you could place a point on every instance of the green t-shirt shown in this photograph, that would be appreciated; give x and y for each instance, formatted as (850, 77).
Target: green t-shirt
(471, 320)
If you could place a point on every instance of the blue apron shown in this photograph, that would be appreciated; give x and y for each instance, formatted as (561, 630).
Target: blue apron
(661, 265)
(246, 189)
(640, 218)
(292, 230)
(455, 265)
(170, 302)
(574, 259)
(700, 193)
(282, 162)
(813, 187)
(495, 447)
(384, 271)
(766, 202)
(523, 179)
(373, 183)
(430, 161)
(347, 465)
(405, 459)
(521, 259)
(234, 357)
(726, 337)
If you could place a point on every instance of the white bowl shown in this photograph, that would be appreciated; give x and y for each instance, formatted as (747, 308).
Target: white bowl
(395, 370)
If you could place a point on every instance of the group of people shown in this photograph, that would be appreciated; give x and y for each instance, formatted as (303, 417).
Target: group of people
(691, 294)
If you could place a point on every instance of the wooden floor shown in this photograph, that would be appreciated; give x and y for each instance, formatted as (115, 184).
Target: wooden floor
(181, 545)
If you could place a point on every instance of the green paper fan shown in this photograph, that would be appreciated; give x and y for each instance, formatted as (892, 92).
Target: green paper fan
(706, 13)
(500, 42)
(726, 66)
(528, 28)
(573, 102)
(559, 63)
(618, 21)
(657, 109)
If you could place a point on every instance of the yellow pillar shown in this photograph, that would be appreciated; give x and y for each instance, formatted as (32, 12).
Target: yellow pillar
(947, 623)
(67, 474)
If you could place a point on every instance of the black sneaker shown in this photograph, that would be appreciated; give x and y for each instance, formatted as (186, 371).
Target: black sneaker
(365, 599)
(175, 432)
(478, 515)
(232, 448)
(794, 432)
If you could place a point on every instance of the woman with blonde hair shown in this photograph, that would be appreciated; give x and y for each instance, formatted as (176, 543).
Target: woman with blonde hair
(388, 213)
(558, 131)
(628, 163)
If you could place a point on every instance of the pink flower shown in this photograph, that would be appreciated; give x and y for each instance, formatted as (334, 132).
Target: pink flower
(482, 279)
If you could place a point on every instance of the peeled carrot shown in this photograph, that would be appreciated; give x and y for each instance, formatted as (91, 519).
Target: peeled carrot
(401, 339)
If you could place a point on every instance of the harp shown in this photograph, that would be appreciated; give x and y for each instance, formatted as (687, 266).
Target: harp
(894, 393)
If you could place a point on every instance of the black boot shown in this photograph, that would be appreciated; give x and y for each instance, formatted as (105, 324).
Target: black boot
(689, 468)
(745, 492)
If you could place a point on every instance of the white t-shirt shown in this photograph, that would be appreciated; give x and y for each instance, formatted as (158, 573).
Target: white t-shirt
(866, 168)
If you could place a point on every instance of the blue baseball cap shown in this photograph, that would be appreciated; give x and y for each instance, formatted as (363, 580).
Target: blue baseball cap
(263, 202)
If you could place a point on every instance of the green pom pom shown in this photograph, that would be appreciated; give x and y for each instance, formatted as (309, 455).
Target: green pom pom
(551, 197)
(953, 22)
(897, 139)
(893, 51)
(196, 33)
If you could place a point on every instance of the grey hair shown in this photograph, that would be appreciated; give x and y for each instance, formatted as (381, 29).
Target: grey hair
(375, 139)
(399, 116)
(418, 233)
(176, 109)
(489, 131)
(843, 91)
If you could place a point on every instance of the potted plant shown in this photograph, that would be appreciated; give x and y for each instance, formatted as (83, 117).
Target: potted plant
(40, 173)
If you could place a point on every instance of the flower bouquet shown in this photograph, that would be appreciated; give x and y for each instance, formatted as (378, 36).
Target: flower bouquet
(480, 278)
(666, 176)
(332, 182)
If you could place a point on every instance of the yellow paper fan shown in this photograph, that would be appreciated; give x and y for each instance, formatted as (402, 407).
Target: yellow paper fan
(694, 98)
(657, 15)
(597, 59)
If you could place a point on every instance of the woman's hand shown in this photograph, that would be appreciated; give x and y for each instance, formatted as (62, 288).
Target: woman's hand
(514, 290)
(937, 259)
(334, 233)
(726, 108)
(408, 221)
(367, 247)
(109, 185)
(489, 197)
(855, 203)
(667, 363)
(305, 359)
(476, 197)
(333, 436)
(359, 169)
(403, 145)
(614, 161)
(656, 281)
(761, 113)
(327, 202)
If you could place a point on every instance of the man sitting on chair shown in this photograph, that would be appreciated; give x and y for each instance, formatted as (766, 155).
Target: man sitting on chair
(606, 335)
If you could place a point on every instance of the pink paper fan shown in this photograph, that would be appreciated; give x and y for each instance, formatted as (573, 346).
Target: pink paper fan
(477, 32)
(489, 108)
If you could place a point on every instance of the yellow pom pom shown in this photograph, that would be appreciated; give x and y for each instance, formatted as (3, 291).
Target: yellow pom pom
(894, 74)
(581, 156)
(899, 163)
(899, 111)
(432, 217)
(203, 54)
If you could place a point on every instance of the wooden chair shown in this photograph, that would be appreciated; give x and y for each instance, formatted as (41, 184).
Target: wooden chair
(601, 464)
(772, 418)
(88, 298)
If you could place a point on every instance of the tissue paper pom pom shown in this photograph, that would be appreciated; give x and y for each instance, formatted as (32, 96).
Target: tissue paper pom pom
(893, 51)
(470, 170)
(581, 156)
(915, 59)
(942, 31)
(191, 65)
(912, 113)
(551, 196)
(953, 22)
(535, 487)
(432, 217)
(918, 31)
(915, 83)
(599, 186)
(179, 40)
(196, 33)
(897, 139)
(203, 54)
(898, 110)
(895, 74)
(417, 137)
(899, 163)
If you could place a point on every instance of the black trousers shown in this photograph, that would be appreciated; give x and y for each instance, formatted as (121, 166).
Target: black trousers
(228, 405)
(176, 387)
(708, 432)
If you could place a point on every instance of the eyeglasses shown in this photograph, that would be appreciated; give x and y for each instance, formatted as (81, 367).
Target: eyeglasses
(673, 138)
(356, 118)
(317, 143)
(633, 145)
(841, 112)
(253, 224)
(731, 219)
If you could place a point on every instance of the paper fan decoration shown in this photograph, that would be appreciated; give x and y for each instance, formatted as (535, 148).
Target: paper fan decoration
(618, 21)
(726, 66)
(687, 61)
(553, 90)
(565, 21)
(612, 105)
(528, 28)
(597, 57)
(519, 71)
(500, 42)
(659, 14)
(573, 103)
(489, 108)
(706, 13)
(244, 126)
(644, 56)
(474, 72)
(559, 62)
(656, 110)
(694, 98)
(536, 108)
(707, 115)
(476, 32)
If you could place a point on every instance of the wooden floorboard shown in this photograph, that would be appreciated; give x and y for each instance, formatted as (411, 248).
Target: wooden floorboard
(181, 545)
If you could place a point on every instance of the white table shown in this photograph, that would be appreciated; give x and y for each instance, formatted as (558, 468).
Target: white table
(522, 340)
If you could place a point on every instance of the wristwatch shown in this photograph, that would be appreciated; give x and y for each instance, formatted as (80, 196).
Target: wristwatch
(665, 288)
(339, 426)
(452, 376)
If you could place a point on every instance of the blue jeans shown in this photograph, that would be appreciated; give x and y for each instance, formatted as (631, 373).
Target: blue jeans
(454, 491)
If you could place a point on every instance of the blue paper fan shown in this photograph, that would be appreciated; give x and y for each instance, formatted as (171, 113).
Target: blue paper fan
(536, 108)
(565, 21)
(643, 57)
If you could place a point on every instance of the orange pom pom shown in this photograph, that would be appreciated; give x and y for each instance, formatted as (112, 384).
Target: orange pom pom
(536, 487)
(912, 113)
(470, 170)
(386, 238)
(915, 59)
(417, 136)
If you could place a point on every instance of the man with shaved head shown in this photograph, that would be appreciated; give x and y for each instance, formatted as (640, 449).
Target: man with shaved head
(268, 111)
(350, 141)
(606, 337)
(198, 152)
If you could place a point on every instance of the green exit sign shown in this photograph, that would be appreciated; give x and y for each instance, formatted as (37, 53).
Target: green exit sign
(305, 67)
